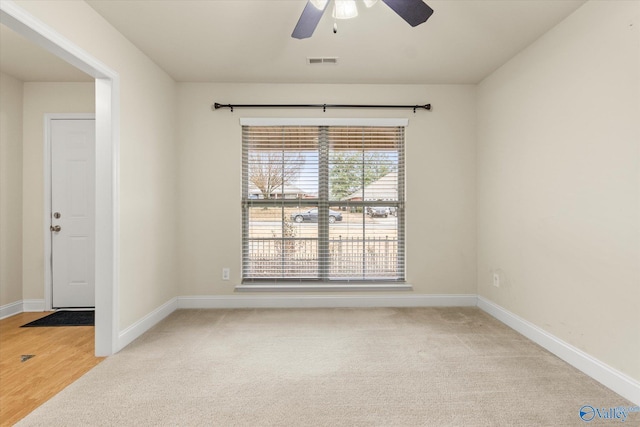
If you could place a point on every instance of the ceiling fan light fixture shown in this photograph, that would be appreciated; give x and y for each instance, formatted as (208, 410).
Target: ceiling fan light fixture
(345, 9)
(414, 12)
(319, 4)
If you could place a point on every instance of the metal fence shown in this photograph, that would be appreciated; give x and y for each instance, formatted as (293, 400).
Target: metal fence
(348, 258)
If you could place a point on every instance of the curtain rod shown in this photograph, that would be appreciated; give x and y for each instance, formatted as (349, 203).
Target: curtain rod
(324, 107)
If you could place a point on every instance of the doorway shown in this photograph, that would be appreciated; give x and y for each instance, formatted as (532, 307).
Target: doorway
(107, 143)
(70, 210)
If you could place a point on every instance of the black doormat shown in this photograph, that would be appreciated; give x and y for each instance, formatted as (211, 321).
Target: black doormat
(65, 318)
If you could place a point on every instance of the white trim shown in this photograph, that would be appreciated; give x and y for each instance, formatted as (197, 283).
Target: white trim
(107, 215)
(275, 121)
(311, 287)
(22, 306)
(107, 143)
(48, 275)
(128, 335)
(10, 309)
(50, 40)
(33, 305)
(622, 384)
(326, 301)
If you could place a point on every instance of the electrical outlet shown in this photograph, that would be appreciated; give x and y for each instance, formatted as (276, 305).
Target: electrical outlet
(225, 273)
(496, 280)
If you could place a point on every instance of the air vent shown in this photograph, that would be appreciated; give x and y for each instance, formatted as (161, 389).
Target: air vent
(326, 60)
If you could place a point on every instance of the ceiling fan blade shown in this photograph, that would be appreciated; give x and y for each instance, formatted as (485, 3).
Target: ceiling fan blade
(415, 12)
(308, 21)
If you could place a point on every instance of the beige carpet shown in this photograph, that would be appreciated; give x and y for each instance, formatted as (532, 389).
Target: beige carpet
(330, 367)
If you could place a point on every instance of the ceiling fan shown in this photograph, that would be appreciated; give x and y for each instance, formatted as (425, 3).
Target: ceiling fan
(415, 12)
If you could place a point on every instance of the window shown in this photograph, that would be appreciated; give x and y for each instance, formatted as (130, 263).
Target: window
(323, 203)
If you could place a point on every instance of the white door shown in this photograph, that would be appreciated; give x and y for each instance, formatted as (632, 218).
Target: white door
(72, 212)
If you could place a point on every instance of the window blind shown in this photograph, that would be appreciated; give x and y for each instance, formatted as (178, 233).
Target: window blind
(323, 203)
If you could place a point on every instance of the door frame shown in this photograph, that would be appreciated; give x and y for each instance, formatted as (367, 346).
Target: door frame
(107, 116)
(48, 267)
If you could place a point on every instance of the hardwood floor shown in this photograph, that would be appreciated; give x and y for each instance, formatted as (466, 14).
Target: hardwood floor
(61, 355)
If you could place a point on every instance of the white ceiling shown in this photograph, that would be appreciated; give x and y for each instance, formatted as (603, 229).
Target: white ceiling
(250, 40)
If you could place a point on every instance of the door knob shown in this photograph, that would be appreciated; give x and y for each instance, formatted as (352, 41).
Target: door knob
(55, 228)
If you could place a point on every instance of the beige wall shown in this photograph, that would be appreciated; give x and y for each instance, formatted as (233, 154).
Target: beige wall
(440, 169)
(10, 189)
(148, 221)
(40, 99)
(559, 183)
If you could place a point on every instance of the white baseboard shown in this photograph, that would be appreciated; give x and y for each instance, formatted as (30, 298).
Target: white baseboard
(327, 301)
(129, 334)
(622, 384)
(21, 306)
(11, 309)
(33, 305)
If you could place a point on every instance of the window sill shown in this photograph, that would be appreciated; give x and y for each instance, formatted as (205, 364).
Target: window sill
(311, 287)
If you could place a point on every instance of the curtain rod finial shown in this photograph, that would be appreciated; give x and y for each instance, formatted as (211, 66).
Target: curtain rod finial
(217, 106)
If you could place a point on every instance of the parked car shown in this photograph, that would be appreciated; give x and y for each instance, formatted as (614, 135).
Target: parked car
(379, 211)
(312, 216)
